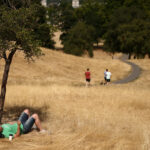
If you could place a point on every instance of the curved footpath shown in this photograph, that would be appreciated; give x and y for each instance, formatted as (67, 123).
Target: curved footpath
(135, 71)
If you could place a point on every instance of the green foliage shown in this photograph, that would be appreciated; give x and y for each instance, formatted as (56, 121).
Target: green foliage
(136, 35)
(67, 17)
(53, 13)
(17, 31)
(91, 13)
(85, 1)
(43, 31)
(39, 14)
(79, 39)
(128, 32)
(119, 23)
(16, 4)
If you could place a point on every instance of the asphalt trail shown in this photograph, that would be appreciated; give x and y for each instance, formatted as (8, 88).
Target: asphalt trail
(135, 71)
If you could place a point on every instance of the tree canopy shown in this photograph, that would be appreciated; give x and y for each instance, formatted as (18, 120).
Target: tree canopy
(90, 14)
(79, 39)
(118, 23)
(128, 32)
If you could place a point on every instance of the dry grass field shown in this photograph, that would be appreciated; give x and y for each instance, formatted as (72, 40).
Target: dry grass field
(113, 117)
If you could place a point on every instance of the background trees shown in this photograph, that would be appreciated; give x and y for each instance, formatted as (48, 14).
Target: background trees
(128, 31)
(43, 31)
(91, 15)
(67, 19)
(79, 39)
(118, 23)
(91, 12)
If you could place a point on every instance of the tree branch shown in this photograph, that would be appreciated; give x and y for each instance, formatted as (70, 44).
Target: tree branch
(4, 56)
(11, 5)
(11, 54)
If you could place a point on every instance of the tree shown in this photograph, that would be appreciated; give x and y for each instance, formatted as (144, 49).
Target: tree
(15, 4)
(91, 12)
(91, 16)
(128, 32)
(43, 31)
(79, 39)
(67, 18)
(16, 34)
(53, 15)
(134, 38)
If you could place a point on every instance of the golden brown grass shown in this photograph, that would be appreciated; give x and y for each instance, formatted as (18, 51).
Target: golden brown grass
(114, 117)
(57, 67)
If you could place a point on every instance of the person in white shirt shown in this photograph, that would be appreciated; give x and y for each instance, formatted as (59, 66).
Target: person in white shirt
(105, 81)
(108, 76)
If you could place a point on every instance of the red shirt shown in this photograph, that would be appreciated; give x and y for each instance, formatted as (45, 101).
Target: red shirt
(87, 75)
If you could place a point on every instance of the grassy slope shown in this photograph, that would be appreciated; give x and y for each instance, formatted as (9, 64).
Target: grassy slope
(111, 117)
(56, 67)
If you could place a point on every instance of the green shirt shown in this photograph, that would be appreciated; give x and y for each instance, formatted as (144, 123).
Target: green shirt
(10, 129)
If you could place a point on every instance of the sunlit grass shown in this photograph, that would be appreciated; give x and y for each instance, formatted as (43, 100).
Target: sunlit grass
(113, 117)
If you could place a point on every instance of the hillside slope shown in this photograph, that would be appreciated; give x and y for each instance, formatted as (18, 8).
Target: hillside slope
(113, 117)
(59, 68)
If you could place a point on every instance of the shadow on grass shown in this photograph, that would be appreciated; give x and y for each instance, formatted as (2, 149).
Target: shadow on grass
(13, 113)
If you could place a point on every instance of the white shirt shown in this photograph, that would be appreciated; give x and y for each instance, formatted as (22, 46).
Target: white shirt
(108, 75)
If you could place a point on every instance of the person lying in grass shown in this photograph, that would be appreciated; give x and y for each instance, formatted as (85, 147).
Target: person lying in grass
(23, 125)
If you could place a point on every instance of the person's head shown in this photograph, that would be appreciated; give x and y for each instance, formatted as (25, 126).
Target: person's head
(88, 69)
(1, 135)
(106, 69)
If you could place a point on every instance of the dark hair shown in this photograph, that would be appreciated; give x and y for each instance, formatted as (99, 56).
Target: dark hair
(1, 135)
(88, 69)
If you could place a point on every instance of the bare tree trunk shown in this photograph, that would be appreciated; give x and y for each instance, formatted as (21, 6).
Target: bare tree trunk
(4, 81)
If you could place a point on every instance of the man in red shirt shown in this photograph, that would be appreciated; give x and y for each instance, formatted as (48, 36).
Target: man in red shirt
(88, 77)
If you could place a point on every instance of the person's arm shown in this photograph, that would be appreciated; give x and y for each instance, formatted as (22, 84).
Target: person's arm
(18, 129)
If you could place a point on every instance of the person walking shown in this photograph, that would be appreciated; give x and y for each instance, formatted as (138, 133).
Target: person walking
(105, 81)
(88, 77)
(107, 76)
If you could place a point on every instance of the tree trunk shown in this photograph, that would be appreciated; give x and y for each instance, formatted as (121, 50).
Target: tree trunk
(129, 56)
(134, 57)
(4, 82)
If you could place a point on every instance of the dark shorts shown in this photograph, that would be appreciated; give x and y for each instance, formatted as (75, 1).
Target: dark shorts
(108, 80)
(105, 79)
(26, 122)
(88, 80)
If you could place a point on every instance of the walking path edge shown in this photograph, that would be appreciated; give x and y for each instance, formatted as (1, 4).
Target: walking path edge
(135, 71)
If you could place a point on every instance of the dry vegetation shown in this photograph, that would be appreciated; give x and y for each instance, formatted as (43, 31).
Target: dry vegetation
(114, 117)
(58, 68)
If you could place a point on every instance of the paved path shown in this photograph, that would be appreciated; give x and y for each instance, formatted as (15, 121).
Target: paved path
(135, 71)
